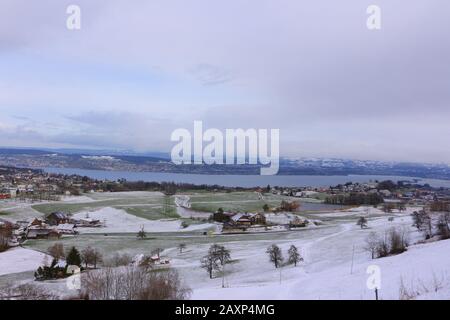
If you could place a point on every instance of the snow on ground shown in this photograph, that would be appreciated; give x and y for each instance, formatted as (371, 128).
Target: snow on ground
(76, 199)
(424, 270)
(327, 271)
(118, 220)
(19, 260)
(335, 261)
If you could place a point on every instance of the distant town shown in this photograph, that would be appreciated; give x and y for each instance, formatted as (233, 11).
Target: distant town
(122, 161)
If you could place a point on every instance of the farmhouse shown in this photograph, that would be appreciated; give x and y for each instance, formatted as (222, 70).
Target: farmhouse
(257, 218)
(37, 222)
(87, 222)
(241, 219)
(43, 233)
(221, 216)
(56, 218)
(297, 223)
(66, 228)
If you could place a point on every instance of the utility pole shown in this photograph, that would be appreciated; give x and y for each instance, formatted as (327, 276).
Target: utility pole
(353, 256)
(223, 276)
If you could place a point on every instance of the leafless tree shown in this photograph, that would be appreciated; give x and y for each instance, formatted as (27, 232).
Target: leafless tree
(56, 251)
(210, 263)
(27, 292)
(221, 253)
(422, 221)
(141, 234)
(443, 225)
(372, 243)
(398, 241)
(362, 222)
(118, 260)
(133, 283)
(275, 255)
(91, 256)
(6, 232)
(181, 247)
(294, 255)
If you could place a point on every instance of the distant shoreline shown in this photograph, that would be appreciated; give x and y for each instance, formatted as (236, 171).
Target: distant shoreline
(246, 181)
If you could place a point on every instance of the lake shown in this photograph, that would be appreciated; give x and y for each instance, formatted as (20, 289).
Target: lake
(239, 180)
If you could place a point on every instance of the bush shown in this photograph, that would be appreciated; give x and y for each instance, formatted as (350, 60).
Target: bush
(119, 260)
(50, 272)
(393, 242)
(133, 283)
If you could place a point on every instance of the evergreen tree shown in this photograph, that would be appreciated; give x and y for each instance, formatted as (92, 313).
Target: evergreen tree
(74, 257)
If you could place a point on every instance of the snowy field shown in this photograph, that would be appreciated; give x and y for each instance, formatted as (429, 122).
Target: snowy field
(18, 260)
(334, 267)
(119, 221)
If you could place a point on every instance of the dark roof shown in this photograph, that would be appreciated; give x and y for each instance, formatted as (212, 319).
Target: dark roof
(57, 215)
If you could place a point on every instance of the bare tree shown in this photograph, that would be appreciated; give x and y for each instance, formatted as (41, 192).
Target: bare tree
(56, 251)
(134, 283)
(6, 232)
(362, 222)
(141, 234)
(383, 246)
(417, 219)
(91, 256)
(294, 255)
(275, 255)
(422, 221)
(210, 263)
(221, 253)
(372, 243)
(442, 225)
(27, 292)
(398, 241)
(181, 247)
(119, 260)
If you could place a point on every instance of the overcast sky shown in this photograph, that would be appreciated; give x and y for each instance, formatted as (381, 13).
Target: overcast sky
(139, 69)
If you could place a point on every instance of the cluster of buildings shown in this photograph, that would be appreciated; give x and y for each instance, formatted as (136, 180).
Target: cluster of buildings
(53, 226)
(37, 185)
(408, 192)
(249, 222)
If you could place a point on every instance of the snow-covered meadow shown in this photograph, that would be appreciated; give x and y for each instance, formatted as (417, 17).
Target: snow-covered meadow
(335, 260)
(119, 221)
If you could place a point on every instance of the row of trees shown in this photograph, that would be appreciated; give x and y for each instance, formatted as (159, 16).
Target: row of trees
(440, 206)
(393, 241)
(355, 199)
(133, 283)
(424, 223)
(6, 233)
(218, 256)
(88, 256)
(289, 206)
(276, 255)
(390, 206)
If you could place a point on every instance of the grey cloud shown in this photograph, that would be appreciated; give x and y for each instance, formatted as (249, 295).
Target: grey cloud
(311, 69)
